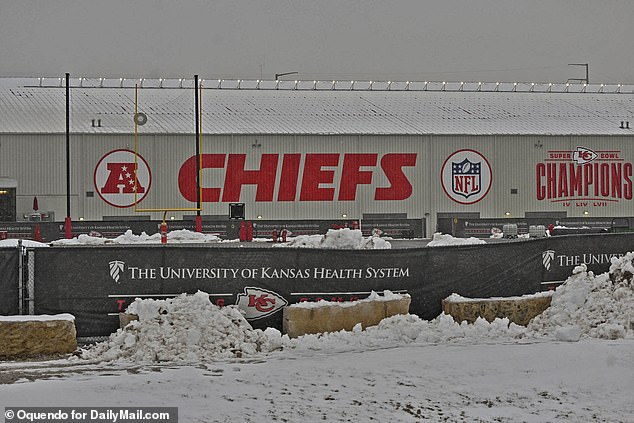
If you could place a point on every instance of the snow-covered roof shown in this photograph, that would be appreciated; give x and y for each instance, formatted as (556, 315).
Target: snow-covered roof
(333, 107)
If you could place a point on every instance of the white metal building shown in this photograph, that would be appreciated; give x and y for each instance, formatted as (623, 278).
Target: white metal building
(319, 150)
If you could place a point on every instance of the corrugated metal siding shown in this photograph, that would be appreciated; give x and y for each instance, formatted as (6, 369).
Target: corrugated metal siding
(37, 162)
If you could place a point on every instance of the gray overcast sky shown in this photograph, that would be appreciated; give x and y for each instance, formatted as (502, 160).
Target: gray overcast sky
(453, 40)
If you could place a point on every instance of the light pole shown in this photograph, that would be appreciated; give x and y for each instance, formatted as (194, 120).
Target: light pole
(68, 230)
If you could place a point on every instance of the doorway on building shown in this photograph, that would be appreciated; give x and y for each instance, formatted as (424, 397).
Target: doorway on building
(7, 204)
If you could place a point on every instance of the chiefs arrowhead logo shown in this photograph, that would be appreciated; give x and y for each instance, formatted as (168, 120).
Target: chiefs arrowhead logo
(258, 303)
(583, 155)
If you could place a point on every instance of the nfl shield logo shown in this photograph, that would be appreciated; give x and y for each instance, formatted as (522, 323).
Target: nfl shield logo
(466, 178)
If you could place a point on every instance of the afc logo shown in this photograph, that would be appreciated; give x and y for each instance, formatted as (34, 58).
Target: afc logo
(466, 176)
(121, 176)
(258, 303)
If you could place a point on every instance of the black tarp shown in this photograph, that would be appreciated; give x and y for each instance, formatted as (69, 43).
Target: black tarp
(94, 282)
(563, 253)
(9, 283)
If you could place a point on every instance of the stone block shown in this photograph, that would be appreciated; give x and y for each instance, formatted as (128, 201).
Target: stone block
(300, 320)
(29, 336)
(519, 310)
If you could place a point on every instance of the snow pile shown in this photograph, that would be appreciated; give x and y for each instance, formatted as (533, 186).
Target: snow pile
(343, 239)
(441, 240)
(191, 329)
(404, 329)
(585, 306)
(386, 295)
(591, 306)
(25, 243)
(188, 328)
(180, 236)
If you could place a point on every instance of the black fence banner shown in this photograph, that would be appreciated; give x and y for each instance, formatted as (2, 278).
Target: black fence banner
(223, 228)
(9, 281)
(95, 283)
(563, 253)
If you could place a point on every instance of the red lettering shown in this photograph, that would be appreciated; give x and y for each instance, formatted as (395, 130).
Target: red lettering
(400, 188)
(597, 178)
(551, 180)
(562, 190)
(236, 176)
(540, 172)
(605, 179)
(220, 302)
(352, 176)
(120, 304)
(318, 177)
(627, 174)
(288, 180)
(262, 303)
(575, 180)
(121, 179)
(616, 180)
(314, 176)
(187, 177)
(587, 178)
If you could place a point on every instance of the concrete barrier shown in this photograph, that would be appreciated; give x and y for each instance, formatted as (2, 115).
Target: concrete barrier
(28, 336)
(519, 310)
(323, 316)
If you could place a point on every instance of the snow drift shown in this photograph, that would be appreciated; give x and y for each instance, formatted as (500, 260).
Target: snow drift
(345, 239)
(174, 237)
(190, 328)
(441, 240)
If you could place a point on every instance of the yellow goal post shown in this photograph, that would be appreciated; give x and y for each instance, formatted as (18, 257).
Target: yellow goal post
(164, 210)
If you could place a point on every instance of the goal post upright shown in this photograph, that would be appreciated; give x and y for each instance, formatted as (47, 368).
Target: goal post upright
(164, 210)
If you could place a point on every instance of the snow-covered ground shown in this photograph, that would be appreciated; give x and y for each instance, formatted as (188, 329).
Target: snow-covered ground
(573, 363)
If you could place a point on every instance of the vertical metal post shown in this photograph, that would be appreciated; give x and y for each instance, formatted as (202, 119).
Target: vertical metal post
(20, 278)
(198, 216)
(67, 222)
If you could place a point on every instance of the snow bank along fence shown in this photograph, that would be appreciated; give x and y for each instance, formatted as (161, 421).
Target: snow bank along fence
(96, 283)
(27, 336)
(519, 310)
(304, 318)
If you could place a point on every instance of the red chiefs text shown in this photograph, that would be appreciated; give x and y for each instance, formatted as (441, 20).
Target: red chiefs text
(303, 177)
(568, 180)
